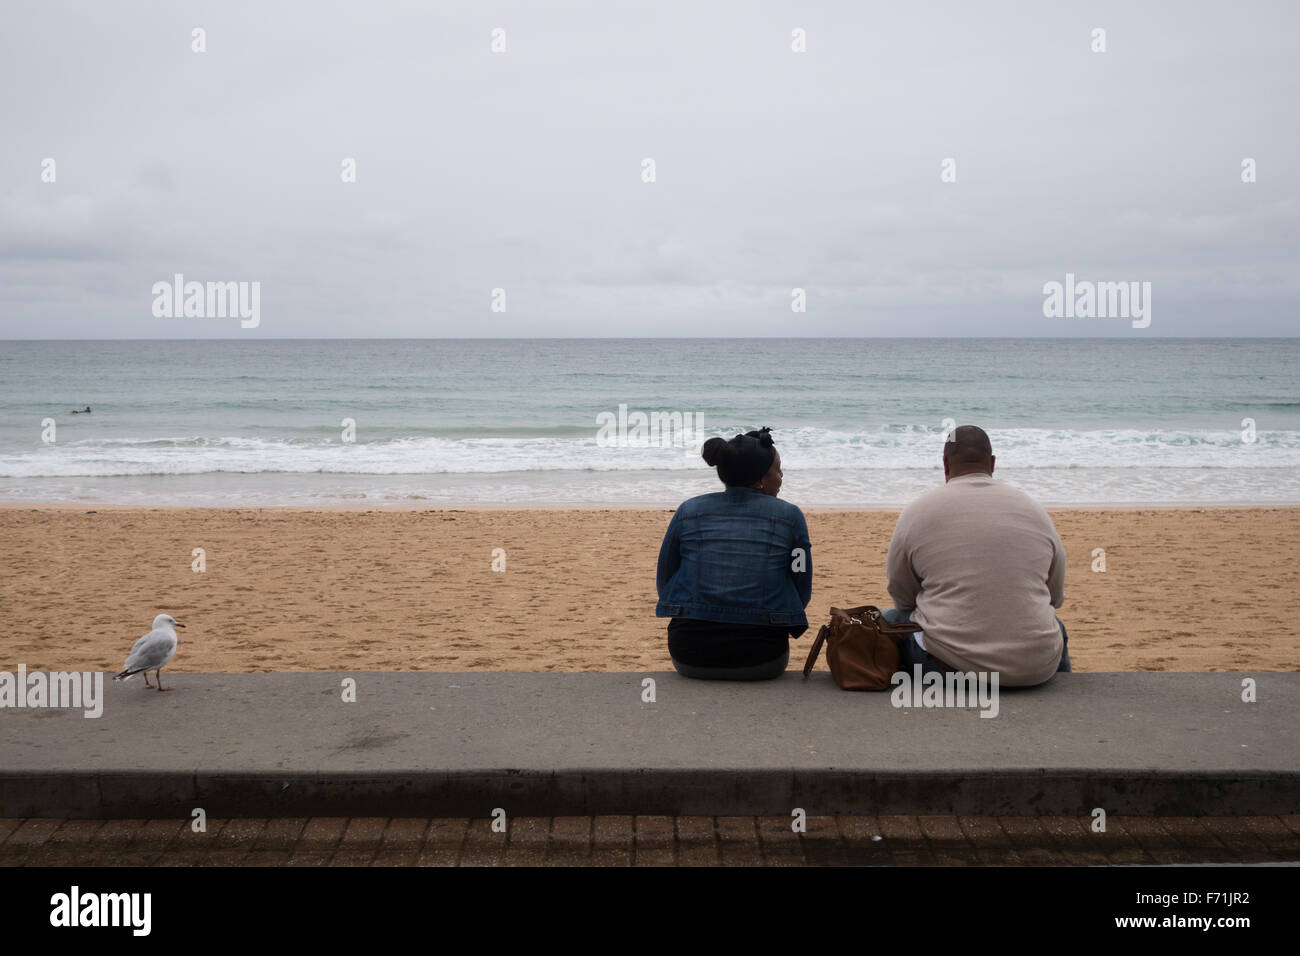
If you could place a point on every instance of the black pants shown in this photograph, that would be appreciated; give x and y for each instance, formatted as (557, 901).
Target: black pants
(711, 650)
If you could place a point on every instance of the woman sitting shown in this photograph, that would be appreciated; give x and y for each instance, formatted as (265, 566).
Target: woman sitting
(735, 569)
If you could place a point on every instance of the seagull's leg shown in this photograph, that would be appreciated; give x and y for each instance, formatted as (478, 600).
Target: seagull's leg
(158, 674)
(146, 680)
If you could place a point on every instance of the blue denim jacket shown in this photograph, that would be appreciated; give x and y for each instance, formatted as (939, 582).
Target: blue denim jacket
(731, 557)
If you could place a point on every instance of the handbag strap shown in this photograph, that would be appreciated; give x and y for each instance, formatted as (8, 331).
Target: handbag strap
(870, 615)
(816, 649)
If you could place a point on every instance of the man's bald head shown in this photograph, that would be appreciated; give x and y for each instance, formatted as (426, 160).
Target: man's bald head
(967, 451)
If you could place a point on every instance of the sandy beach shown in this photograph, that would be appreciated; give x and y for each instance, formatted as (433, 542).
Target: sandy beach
(286, 589)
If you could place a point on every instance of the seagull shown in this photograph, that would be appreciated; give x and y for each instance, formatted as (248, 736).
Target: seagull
(152, 651)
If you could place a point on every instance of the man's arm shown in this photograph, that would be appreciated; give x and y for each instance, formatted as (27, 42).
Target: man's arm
(670, 555)
(1056, 571)
(904, 585)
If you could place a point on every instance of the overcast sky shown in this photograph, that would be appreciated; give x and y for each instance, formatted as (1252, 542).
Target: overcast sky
(522, 170)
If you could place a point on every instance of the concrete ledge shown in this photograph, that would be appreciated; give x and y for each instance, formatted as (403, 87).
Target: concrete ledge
(426, 744)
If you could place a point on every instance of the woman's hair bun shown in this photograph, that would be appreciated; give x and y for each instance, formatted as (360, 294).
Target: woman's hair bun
(712, 451)
(742, 460)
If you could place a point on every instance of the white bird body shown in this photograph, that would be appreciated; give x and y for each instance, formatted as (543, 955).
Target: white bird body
(152, 651)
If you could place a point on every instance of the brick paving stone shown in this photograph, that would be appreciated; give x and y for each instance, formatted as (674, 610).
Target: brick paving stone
(655, 832)
(1073, 838)
(443, 841)
(738, 843)
(483, 845)
(32, 832)
(280, 833)
(1275, 835)
(157, 836)
(353, 856)
(985, 831)
(694, 829)
(446, 832)
(654, 856)
(1291, 820)
(240, 833)
(612, 841)
(524, 856)
(822, 843)
(363, 833)
(441, 855)
(863, 842)
(68, 845)
(322, 833)
(1239, 838)
(610, 856)
(115, 834)
(310, 858)
(76, 832)
(1191, 836)
(408, 856)
(781, 845)
(404, 833)
(8, 825)
(943, 832)
(570, 843)
(1114, 844)
(223, 858)
(111, 846)
(858, 828)
(613, 829)
(1120, 849)
(955, 856)
(1032, 843)
(267, 858)
(529, 831)
(697, 841)
(908, 857)
(188, 845)
(1148, 832)
(567, 855)
(902, 830)
(992, 845)
(527, 841)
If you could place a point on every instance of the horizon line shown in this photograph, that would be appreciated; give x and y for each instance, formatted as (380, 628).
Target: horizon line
(669, 338)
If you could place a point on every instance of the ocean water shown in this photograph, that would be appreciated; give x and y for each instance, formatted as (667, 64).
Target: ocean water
(859, 422)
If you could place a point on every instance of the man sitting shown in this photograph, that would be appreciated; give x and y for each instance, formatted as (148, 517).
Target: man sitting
(979, 565)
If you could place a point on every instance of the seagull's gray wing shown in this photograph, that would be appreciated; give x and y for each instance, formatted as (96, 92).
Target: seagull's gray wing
(153, 650)
(140, 642)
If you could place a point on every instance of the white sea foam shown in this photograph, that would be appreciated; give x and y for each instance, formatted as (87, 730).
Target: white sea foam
(802, 449)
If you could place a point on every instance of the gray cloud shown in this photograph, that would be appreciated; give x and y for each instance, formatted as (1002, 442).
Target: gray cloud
(522, 170)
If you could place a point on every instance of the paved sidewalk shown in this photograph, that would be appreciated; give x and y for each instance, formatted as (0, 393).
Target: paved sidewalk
(652, 841)
(421, 744)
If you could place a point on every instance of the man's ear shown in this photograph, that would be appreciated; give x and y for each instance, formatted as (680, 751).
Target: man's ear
(945, 467)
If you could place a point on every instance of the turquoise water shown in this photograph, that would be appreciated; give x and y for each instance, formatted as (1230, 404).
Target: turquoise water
(859, 422)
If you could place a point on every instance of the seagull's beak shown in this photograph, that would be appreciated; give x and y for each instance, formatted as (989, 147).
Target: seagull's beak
(179, 624)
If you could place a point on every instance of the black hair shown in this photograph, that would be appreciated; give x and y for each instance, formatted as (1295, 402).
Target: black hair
(968, 445)
(742, 460)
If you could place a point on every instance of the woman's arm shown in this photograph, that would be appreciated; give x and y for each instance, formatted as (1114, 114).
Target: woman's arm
(801, 559)
(670, 555)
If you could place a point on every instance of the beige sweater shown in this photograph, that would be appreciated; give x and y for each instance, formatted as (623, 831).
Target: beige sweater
(983, 566)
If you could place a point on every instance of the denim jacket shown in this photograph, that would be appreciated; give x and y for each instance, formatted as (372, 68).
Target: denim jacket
(733, 556)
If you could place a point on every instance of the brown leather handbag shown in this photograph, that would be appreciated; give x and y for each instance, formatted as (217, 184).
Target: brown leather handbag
(861, 647)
